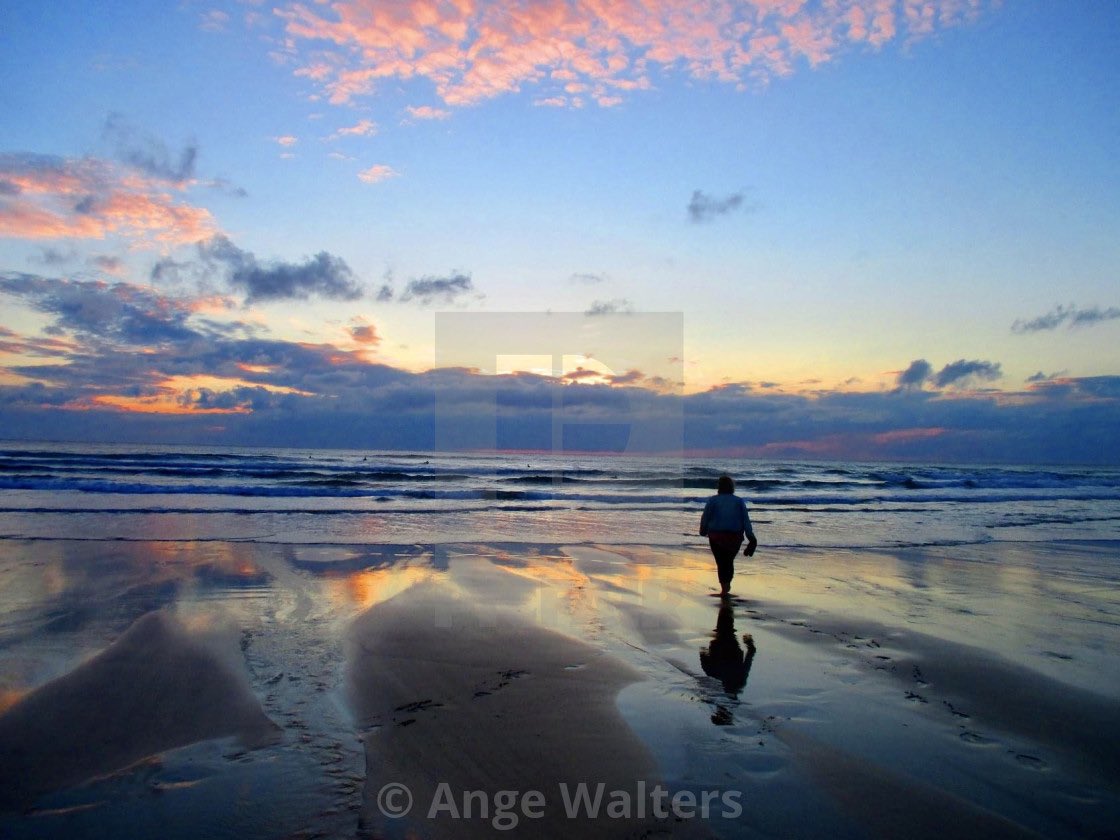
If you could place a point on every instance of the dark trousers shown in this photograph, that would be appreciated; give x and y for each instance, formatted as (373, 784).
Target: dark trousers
(725, 545)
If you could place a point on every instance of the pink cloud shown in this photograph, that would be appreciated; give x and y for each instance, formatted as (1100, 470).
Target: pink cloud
(427, 112)
(362, 128)
(377, 173)
(471, 50)
(804, 37)
(23, 220)
(47, 198)
(882, 22)
(857, 23)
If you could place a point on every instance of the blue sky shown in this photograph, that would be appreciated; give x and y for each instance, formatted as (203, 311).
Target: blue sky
(201, 203)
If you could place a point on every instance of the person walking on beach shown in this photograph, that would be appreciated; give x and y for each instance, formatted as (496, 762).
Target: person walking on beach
(724, 522)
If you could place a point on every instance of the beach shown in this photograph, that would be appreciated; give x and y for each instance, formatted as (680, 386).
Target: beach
(374, 374)
(944, 690)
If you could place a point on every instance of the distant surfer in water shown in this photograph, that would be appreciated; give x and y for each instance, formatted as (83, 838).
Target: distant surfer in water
(724, 522)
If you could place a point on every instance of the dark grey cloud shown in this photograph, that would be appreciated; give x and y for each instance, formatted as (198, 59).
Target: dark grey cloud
(298, 394)
(332, 397)
(1045, 377)
(168, 270)
(316, 377)
(86, 205)
(704, 208)
(960, 371)
(920, 372)
(586, 278)
(1101, 387)
(1091, 389)
(291, 386)
(581, 373)
(631, 377)
(1051, 320)
(1093, 315)
(617, 306)
(101, 311)
(105, 262)
(242, 397)
(37, 395)
(230, 329)
(148, 153)
(916, 374)
(224, 185)
(55, 256)
(323, 275)
(428, 290)
(730, 388)
(1070, 315)
(385, 293)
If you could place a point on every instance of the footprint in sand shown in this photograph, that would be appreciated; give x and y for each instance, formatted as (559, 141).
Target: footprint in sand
(954, 710)
(418, 706)
(1053, 654)
(970, 737)
(506, 677)
(1030, 761)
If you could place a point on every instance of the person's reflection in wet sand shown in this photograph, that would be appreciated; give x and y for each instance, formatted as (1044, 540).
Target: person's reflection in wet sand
(725, 661)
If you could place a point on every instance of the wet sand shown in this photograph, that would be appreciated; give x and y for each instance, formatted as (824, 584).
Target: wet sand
(196, 690)
(455, 698)
(155, 688)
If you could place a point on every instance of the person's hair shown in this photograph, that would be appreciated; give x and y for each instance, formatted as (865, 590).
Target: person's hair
(726, 485)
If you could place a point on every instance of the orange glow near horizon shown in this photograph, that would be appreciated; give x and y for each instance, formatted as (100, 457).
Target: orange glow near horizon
(159, 404)
(899, 435)
(178, 395)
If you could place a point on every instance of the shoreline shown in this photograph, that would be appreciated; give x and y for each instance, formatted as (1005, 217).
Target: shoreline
(982, 671)
(691, 544)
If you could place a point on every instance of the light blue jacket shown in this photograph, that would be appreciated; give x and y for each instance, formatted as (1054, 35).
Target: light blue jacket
(726, 512)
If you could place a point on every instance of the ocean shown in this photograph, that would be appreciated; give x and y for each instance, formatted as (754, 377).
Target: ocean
(287, 496)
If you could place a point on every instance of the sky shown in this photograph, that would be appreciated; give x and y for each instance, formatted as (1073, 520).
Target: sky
(863, 229)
